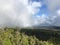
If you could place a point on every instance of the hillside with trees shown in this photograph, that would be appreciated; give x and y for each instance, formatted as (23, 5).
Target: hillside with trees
(17, 36)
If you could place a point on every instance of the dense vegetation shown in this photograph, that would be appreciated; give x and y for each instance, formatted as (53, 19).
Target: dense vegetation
(11, 36)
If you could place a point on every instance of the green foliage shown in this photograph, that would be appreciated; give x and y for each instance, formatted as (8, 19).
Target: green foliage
(10, 36)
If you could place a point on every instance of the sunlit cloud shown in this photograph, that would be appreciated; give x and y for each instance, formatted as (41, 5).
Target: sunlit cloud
(58, 12)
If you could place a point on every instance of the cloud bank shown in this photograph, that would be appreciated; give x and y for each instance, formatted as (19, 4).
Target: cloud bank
(54, 7)
(24, 13)
(14, 13)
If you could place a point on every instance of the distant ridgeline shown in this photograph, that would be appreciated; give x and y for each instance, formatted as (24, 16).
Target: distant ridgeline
(47, 27)
(43, 32)
(29, 36)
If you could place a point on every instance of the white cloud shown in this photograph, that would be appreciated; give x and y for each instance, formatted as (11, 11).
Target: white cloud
(40, 19)
(52, 4)
(34, 7)
(58, 12)
(36, 4)
(13, 12)
(53, 16)
(25, 2)
(20, 13)
(17, 12)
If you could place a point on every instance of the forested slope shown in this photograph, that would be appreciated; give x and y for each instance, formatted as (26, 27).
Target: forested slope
(15, 36)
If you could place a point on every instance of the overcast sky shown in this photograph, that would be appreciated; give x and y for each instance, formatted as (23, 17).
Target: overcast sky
(28, 13)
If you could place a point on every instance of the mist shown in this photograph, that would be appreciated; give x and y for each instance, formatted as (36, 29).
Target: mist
(20, 13)
(14, 13)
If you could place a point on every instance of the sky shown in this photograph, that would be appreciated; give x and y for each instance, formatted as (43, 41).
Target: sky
(29, 13)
